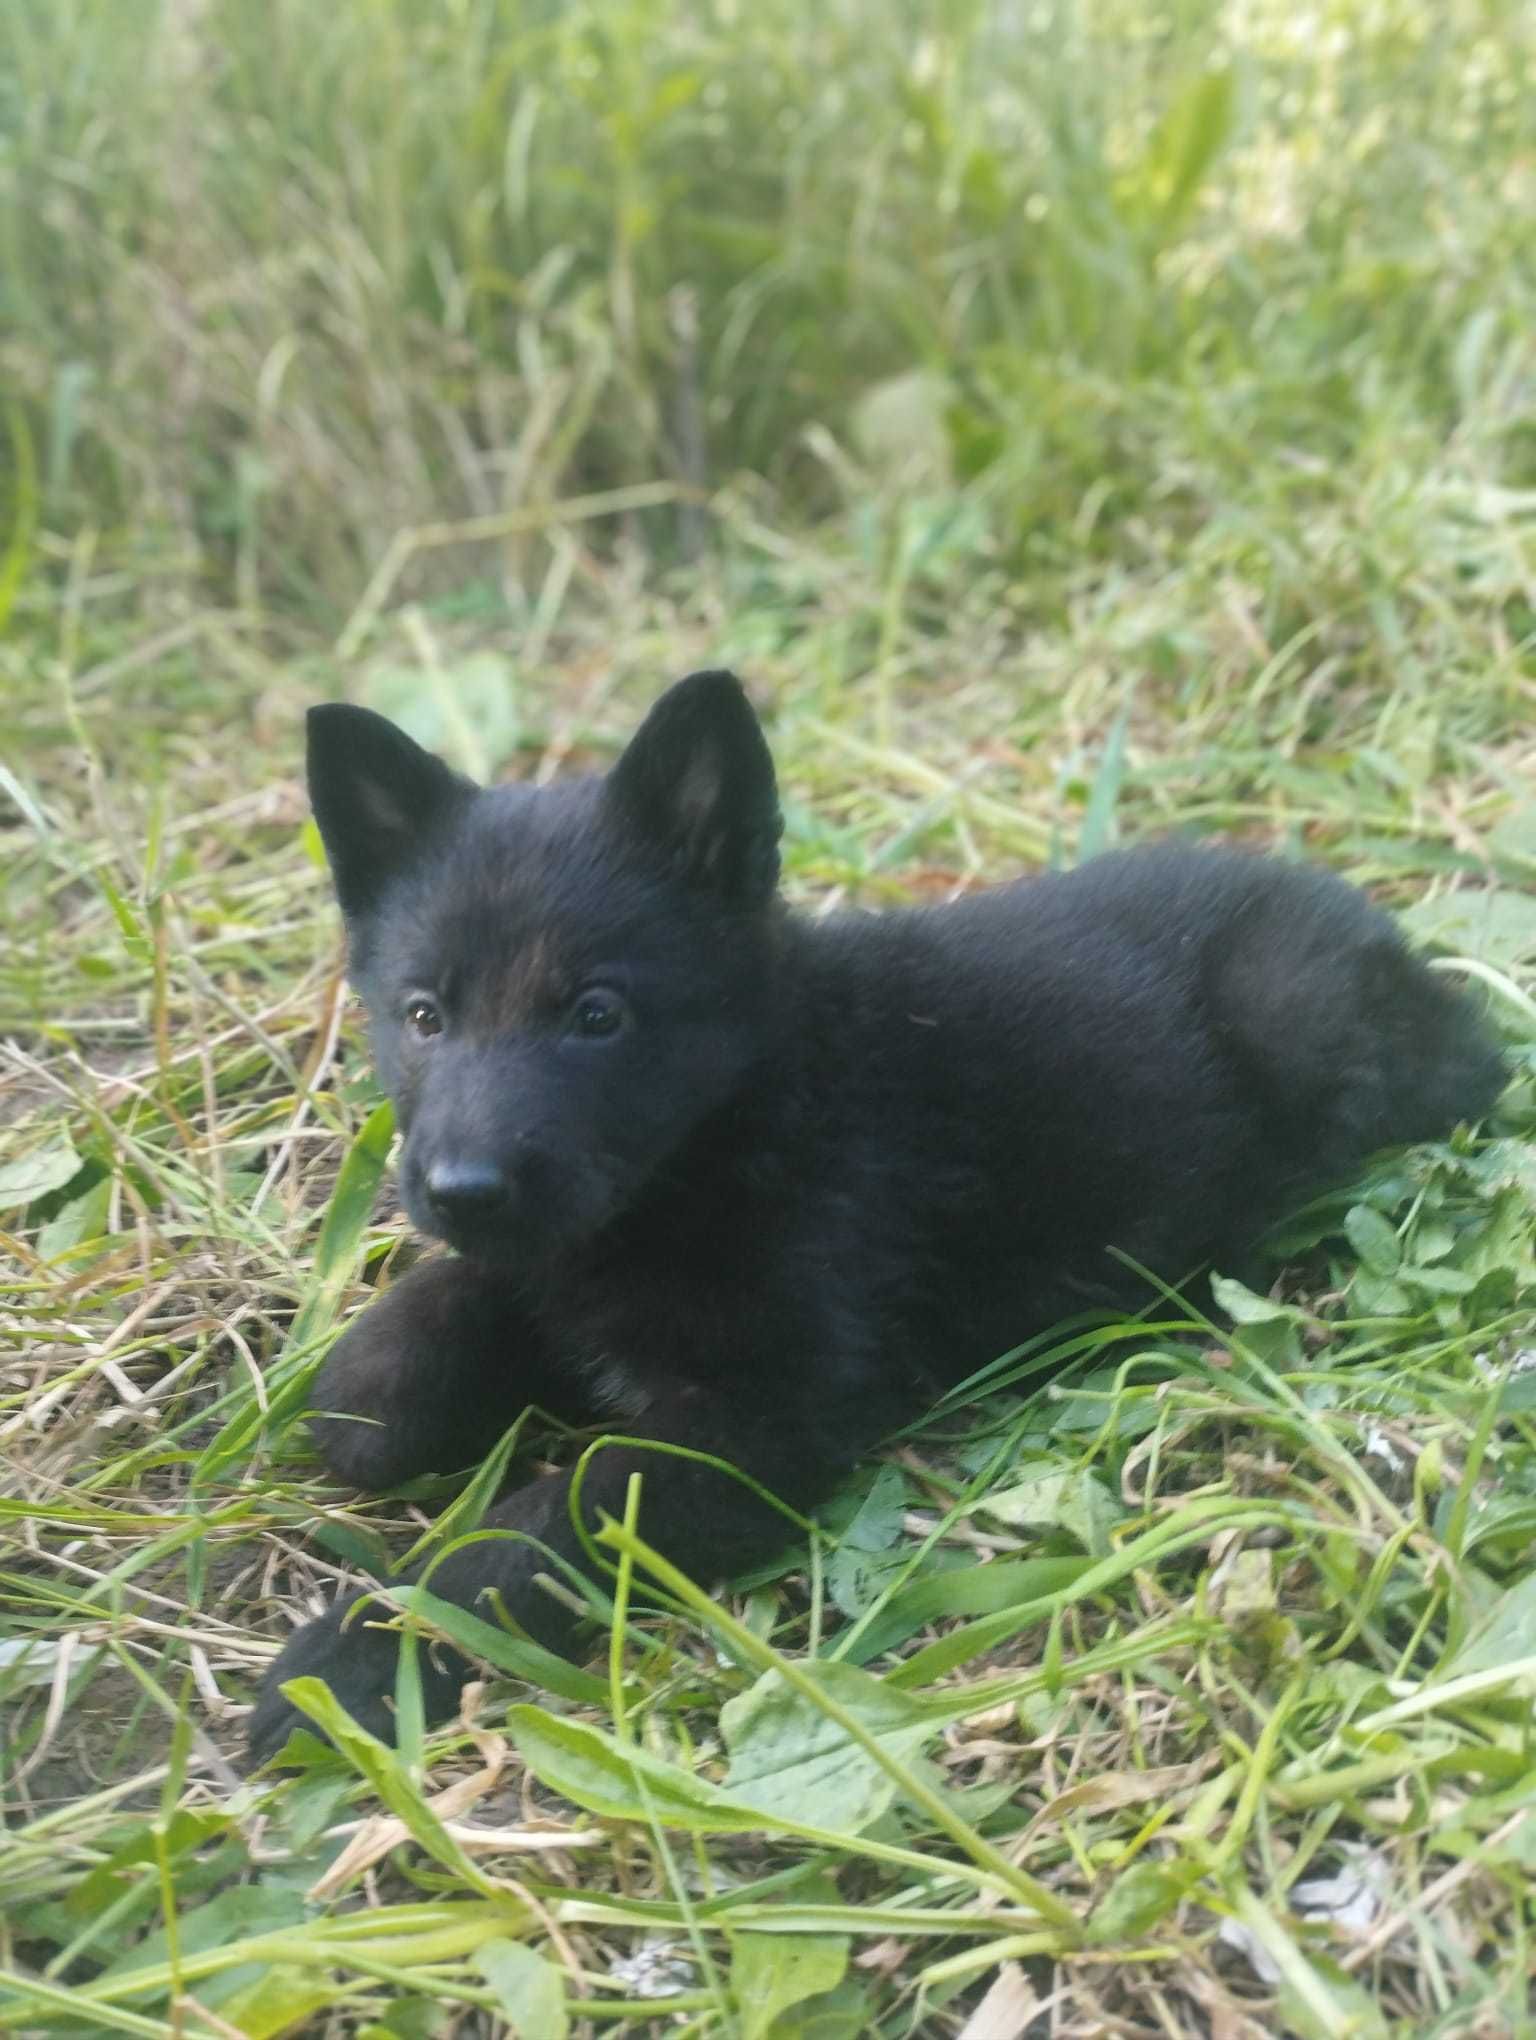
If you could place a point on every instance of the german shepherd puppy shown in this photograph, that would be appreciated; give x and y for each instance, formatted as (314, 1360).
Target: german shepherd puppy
(762, 1186)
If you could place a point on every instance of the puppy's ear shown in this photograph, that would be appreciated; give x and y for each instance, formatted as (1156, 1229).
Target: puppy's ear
(696, 782)
(377, 796)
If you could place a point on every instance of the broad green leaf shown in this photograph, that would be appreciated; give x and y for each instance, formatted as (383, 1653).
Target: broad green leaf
(1135, 1902)
(1518, 1394)
(407, 2019)
(1071, 1501)
(282, 1999)
(527, 1988)
(1432, 1241)
(467, 710)
(1244, 1596)
(1245, 1308)
(1514, 837)
(84, 1218)
(1373, 1239)
(620, 1781)
(877, 1522)
(1506, 1633)
(791, 1765)
(35, 1175)
(309, 1806)
(1490, 923)
(856, 1579)
(797, 1764)
(772, 1973)
(841, 2014)
(1439, 1281)
(870, 1549)
(1378, 1296)
(230, 1916)
(188, 1831)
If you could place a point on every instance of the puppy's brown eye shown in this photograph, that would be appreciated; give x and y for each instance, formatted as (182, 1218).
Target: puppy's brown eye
(596, 1015)
(423, 1018)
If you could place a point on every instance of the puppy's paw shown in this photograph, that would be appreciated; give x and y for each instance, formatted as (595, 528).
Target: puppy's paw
(373, 1415)
(371, 1453)
(359, 1661)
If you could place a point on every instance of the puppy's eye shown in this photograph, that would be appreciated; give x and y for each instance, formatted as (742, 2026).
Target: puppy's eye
(423, 1018)
(598, 1014)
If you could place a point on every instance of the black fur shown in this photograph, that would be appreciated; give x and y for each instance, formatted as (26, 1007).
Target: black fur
(763, 1185)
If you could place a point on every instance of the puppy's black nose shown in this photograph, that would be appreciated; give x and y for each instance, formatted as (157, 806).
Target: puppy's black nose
(467, 1192)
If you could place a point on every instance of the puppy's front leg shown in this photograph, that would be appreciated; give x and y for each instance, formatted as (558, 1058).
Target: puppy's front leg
(426, 1379)
(703, 1521)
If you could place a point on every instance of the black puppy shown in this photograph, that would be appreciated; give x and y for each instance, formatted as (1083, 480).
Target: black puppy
(764, 1186)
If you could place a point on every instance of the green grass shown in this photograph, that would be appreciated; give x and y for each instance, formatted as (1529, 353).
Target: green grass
(1117, 425)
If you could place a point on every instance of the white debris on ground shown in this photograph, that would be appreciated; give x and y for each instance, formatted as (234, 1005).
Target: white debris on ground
(1350, 1900)
(1379, 1446)
(656, 1969)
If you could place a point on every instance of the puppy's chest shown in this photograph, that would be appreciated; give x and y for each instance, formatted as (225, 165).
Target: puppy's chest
(666, 1332)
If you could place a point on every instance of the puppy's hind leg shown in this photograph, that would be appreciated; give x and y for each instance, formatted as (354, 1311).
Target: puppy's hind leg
(427, 1378)
(1350, 1041)
(1439, 1060)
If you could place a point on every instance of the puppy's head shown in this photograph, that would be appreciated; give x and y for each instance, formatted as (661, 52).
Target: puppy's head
(561, 984)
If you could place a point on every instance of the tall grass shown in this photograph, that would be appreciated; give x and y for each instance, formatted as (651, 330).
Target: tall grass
(281, 280)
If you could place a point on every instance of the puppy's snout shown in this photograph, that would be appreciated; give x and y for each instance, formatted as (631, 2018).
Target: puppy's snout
(465, 1192)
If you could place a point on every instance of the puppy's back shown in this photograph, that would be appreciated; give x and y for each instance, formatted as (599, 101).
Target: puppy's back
(1348, 1040)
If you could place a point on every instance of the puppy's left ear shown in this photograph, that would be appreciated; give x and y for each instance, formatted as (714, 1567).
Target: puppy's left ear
(697, 784)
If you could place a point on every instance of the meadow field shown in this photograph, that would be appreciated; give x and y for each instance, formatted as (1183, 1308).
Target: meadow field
(1079, 423)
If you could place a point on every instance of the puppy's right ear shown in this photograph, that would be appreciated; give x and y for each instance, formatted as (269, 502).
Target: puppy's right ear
(377, 796)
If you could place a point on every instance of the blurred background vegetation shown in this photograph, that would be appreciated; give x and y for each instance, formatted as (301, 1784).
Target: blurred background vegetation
(278, 282)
